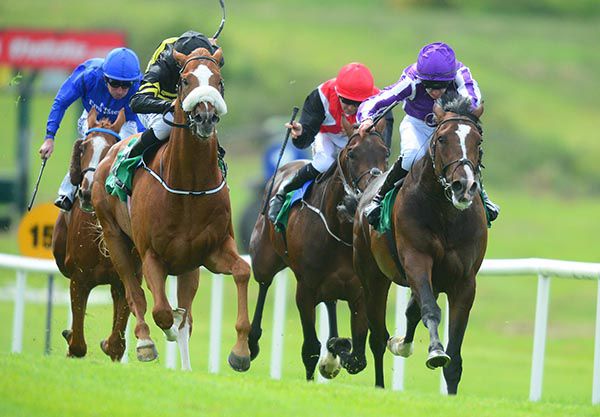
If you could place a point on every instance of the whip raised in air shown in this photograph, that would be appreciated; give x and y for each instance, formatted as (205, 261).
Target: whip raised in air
(218, 32)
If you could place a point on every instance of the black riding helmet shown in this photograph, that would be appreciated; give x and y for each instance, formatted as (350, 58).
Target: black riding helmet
(192, 40)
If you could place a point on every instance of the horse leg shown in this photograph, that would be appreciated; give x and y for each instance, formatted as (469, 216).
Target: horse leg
(155, 273)
(356, 361)
(227, 260)
(376, 296)
(114, 346)
(75, 337)
(311, 347)
(187, 286)
(126, 263)
(330, 365)
(460, 301)
(403, 346)
(418, 271)
(256, 330)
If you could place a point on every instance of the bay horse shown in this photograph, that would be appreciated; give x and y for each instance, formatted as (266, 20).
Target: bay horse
(178, 217)
(437, 242)
(76, 247)
(317, 246)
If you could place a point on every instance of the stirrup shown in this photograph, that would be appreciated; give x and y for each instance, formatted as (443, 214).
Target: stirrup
(373, 212)
(63, 202)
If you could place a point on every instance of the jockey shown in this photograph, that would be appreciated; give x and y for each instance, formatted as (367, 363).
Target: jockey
(321, 123)
(159, 88)
(435, 72)
(106, 84)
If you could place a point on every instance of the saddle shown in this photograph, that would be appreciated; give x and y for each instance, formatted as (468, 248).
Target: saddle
(290, 199)
(120, 180)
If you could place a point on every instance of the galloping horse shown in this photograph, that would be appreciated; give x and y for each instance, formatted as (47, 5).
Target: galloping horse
(178, 217)
(437, 243)
(75, 242)
(317, 246)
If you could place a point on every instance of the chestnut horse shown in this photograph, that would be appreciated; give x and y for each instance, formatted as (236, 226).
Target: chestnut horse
(437, 243)
(75, 242)
(178, 217)
(317, 247)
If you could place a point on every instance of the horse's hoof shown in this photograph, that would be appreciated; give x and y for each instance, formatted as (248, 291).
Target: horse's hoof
(253, 339)
(146, 351)
(329, 366)
(355, 364)
(437, 358)
(173, 331)
(337, 345)
(397, 346)
(67, 334)
(254, 350)
(239, 363)
(104, 346)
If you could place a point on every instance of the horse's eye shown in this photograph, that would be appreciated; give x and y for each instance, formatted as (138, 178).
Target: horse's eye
(442, 139)
(184, 82)
(351, 154)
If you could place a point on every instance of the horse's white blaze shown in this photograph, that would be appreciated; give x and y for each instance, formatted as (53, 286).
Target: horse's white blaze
(204, 93)
(463, 131)
(99, 144)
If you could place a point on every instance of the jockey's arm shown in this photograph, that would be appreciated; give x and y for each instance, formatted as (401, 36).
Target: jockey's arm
(311, 119)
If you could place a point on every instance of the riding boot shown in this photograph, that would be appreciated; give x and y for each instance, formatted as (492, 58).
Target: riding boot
(304, 174)
(491, 208)
(66, 194)
(373, 209)
(147, 140)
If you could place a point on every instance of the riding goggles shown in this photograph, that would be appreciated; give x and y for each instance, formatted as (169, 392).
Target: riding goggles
(118, 83)
(435, 85)
(349, 102)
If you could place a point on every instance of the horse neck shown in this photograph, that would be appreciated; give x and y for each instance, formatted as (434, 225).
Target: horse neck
(422, 181)
(330, 196)
(190, 163)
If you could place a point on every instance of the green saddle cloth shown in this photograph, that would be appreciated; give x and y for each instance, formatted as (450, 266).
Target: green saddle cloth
(387, 208)
(283, 216)
(121, 174)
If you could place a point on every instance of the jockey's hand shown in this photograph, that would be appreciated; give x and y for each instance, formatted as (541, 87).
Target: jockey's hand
(47, 148)
(364, 126)
(296, 129)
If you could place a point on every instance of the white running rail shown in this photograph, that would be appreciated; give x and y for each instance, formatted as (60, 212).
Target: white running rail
(543, 268)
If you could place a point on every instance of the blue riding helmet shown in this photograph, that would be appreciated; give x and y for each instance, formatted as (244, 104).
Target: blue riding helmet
(436, 62)
(122, 64)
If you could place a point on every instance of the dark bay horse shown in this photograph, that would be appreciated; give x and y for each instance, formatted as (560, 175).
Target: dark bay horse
(178, 217)
(317, 248)
(75, 242)
(437, 243)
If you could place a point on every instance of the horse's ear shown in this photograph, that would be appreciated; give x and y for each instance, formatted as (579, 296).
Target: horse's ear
(347, 126)
(92, 117)
(478, 111)
(218, 55)
(75, 168)
(118, 124)
(179, 57)
(439, 112)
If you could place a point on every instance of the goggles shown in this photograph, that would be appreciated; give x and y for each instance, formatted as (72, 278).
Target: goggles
(435, 85)
(118, 83)
(349, 102)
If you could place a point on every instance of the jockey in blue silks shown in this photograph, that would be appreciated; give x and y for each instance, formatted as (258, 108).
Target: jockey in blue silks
(420, 85)
(106, 84)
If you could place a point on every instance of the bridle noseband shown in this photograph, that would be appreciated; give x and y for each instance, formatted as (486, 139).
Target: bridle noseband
(459, 162)
(373, 171)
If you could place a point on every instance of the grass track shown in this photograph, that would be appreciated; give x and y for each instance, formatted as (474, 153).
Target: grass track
(71, 387)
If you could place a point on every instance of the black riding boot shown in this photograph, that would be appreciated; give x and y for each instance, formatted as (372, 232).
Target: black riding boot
(147, 139)
(373, 209)
(304, 174)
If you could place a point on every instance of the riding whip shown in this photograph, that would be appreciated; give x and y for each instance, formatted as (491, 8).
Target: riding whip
(37, 183)
(382, 115)
(287, 136)
(216, 35)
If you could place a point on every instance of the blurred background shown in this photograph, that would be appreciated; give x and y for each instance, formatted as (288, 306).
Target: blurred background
(537, 63)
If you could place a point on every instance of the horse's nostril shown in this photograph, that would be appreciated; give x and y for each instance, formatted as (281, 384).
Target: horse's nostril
(457, 186)
(215, 118)
(474, 188)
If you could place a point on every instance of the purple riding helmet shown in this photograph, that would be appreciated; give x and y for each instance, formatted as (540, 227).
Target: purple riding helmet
(436, 65)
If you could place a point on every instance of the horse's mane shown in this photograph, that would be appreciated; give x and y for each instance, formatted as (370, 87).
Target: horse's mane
(453, 102)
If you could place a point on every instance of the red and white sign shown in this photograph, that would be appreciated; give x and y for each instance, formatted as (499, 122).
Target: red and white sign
(28, 48)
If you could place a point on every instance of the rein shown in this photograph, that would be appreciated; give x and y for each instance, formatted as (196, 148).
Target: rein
(103, 130)
(459, 162)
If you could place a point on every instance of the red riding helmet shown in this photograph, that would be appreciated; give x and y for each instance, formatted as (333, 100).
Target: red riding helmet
(355, 82)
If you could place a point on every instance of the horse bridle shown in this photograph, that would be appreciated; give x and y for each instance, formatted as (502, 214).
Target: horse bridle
(374, 171)
(190, 121)
(459, 162)
(100, 130)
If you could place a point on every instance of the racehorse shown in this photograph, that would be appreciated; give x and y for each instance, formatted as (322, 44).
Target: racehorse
(436, 244)
(178, 217)
(317, 246)
(75, 242)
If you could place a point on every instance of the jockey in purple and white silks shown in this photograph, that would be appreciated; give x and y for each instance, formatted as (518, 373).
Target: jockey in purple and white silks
(105, 84)
(420, 85)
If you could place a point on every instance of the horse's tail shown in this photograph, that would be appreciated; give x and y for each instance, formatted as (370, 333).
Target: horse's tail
(347, 207)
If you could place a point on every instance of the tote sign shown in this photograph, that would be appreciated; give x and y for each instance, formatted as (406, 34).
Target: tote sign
(35, 231)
